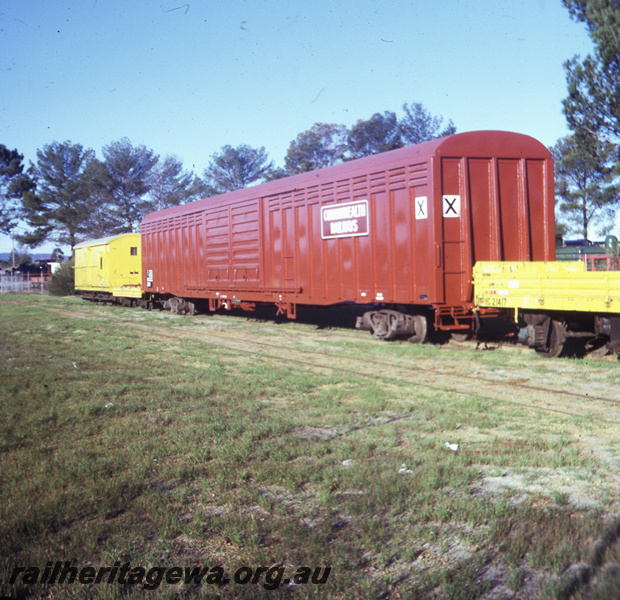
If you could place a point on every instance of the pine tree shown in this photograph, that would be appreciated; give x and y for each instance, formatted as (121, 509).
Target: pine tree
(593, 102)
(323, 145)
(13, 183)
(586, 193)
(60, 206)
(236, 168)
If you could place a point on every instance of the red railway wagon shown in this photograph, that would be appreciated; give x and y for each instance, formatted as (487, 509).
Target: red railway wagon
(399, 231)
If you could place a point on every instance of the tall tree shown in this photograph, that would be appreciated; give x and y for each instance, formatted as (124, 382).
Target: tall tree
(170, 185)
(586, 194)
(102, 219)
(322, 145)
(380, 133)
(236, 168)
(60, 207)
(13, 183)
(418, 125)
(125, 181)
(593, 102)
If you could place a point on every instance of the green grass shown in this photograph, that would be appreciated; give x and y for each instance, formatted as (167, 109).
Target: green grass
(124, 439)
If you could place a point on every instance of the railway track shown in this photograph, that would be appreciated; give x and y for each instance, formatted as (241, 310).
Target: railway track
(458, 374)
(401, 373)
(425, 376)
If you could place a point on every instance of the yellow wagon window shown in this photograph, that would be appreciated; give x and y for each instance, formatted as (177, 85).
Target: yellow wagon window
(133, 251)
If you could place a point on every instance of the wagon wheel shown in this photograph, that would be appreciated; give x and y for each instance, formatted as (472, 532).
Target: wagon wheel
(557, 339)
(602, 350)
(420, 325)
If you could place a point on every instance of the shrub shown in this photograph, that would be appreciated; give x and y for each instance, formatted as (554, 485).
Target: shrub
(62, 282)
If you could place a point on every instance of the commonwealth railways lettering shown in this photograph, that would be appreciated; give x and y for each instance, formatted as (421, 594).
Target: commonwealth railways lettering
(345, 212)
(343, 220)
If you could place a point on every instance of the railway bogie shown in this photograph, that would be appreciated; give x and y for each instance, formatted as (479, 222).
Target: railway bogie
(388, 324)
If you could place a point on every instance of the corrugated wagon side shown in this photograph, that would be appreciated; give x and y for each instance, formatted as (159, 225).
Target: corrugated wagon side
(399, 231)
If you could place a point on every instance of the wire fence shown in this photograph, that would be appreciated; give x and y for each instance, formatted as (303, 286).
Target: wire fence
(22, 284)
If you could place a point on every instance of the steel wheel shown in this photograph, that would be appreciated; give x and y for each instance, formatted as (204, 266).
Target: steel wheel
(421, 329)
(557, 338)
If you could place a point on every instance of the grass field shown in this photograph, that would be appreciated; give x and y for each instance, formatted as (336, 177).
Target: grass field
(155, 445)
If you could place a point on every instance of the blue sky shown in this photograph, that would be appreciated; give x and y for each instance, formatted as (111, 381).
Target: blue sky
(188, 78)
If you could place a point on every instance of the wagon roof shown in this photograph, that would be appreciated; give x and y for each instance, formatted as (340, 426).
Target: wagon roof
(472, 144)
(102, 241)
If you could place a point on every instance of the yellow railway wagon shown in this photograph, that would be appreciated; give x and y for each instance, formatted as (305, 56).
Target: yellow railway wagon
(553, 301)
(558, 286)
(109, 267)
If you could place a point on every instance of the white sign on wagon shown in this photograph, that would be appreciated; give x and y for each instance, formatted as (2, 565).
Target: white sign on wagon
(347, 219)
(421, 208)
(451, 206)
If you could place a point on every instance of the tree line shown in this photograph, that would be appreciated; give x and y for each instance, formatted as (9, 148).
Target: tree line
(69, 195)
(587, 162)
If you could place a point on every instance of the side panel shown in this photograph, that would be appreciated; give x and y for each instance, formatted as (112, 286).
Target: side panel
(514, 236)
(303, 239)
(273, 243)
(85, 268)
(80, 271)
(171, 257)
(245, 244)
(156, 256)
(483, 218)
(289, 247)
(186, 237)
(425, 252)
(194, 254)
(329, 247)
(454, 207)
(381, 241)
(539, 222)
(90, 268)
(125, 260)
(217, 247)
(402, 246)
